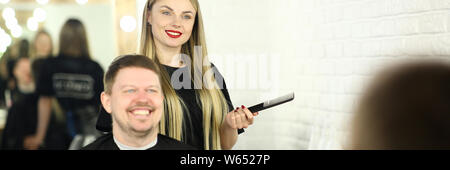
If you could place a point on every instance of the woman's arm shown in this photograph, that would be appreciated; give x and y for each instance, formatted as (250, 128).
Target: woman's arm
(228, 136)
(237, 119)
(44, 110)
(234, 120)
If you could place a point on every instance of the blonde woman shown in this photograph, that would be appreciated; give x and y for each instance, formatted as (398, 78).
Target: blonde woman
(41, 49)
(199, 112)
(42, 46)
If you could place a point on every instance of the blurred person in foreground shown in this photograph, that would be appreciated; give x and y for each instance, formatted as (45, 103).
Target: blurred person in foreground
(405, 107)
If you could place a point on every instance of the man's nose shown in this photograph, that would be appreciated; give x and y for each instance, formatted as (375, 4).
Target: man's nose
(142, 96)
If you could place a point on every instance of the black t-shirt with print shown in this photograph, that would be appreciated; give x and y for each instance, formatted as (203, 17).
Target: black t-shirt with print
(76, 83)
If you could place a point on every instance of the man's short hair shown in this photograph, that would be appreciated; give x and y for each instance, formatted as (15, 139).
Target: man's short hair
(126, 61)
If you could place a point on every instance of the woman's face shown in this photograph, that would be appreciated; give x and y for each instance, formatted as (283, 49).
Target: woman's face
(22, 71)
(43, 45)
(172, 22)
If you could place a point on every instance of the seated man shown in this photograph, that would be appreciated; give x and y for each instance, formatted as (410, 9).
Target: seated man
(134, 98)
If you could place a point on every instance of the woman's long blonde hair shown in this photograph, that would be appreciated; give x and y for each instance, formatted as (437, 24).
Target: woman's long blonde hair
(211, 100)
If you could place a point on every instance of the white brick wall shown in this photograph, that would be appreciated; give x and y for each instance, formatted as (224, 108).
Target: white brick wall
(323, 50)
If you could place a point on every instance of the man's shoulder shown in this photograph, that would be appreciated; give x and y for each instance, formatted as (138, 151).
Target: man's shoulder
(105, 142)
(168, 143)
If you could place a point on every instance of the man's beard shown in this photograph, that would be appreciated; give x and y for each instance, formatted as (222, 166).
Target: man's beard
(128, 128)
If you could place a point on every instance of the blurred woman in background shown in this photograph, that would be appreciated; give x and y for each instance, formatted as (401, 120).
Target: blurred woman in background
(75, 80)
(15, 53)
(22, 115)
(42, 48)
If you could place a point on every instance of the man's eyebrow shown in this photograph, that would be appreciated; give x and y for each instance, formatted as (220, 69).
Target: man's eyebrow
(126, 85)
(154, 86)
(132, 86)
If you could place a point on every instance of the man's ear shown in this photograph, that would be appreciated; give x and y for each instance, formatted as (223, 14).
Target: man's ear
(106, 102)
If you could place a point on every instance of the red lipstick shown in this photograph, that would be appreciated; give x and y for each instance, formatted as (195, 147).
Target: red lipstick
(173, 33)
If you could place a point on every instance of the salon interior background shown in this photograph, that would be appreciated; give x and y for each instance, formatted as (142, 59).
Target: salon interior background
(323, 50)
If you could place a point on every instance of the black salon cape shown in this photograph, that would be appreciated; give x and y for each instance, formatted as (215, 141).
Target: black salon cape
(106, 142)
